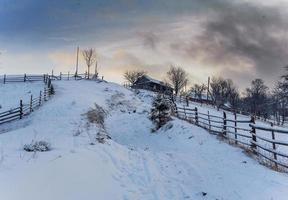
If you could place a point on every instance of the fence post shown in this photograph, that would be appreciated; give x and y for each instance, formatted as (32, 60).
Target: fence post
(253, 132)
(102, 77)
(176, 110)
(224, 123)
(185, 113)
(49, 83)
(274, 145)
(196, 115)
(68, 75)
(24, 77)
(21, 109)
(209, 122)
(235, 126)
(49, 90)
(40, 96)
(45, 93)
(31, 99)
(187, 101)
(60, 75)
(4, 78)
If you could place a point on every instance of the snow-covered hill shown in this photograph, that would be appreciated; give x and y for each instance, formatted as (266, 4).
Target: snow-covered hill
(182, 162)
(11, 93)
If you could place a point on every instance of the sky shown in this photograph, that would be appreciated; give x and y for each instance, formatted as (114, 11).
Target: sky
(237, 39)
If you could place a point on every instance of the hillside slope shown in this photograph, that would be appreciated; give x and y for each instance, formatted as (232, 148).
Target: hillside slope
(182, 162)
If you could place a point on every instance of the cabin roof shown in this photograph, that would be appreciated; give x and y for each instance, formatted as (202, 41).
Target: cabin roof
(152, 80)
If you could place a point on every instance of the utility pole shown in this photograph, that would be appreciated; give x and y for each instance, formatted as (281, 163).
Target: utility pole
(96, 69)
(208, 88)
(77, 60)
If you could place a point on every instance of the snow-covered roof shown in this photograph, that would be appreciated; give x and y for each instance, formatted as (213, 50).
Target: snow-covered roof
(155, 81)
(152, 79)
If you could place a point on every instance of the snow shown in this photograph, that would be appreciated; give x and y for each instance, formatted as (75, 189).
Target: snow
(11, 93)
(152, 79)
(202, 108)
(180, 161)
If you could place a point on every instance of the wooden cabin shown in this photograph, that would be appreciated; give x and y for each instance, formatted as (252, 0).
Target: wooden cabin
(147, 83)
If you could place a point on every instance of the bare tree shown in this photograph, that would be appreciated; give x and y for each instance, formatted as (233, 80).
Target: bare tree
(89, 56)
(256, 97)
(178, 78)
(132, 76)
(280, 98)
(218, 91)
(198, 90)
(224, 91)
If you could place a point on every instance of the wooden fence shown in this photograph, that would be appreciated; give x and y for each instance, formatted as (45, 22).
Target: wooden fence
(187, 101)
(26, 108)
(261, 140)
(33, 77)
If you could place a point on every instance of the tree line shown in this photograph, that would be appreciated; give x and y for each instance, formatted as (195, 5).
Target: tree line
(257, 99)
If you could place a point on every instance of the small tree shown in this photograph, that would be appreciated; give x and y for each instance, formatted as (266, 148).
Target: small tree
(280, 98)
(198, 90)
(89, 56)
(256, 97)
(178, 78)
(161, 111)
(132, 76)
(224, 91)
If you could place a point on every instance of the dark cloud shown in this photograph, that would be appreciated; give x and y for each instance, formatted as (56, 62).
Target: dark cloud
(242, 33)
(224, 34)
(150, 39)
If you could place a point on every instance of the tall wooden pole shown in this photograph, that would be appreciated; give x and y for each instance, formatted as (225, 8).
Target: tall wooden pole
(208, 88)
(96, 70)
(77, 61)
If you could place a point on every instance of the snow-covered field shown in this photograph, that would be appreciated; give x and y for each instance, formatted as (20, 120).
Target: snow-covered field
(182, 162)
(203, 108)
(11, 93)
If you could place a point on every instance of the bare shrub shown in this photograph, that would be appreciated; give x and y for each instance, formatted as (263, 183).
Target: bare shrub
(97, 116)
(37, 146)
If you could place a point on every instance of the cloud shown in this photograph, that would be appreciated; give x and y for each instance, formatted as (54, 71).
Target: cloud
(64, 39)
(150, 39)
(241, 34)
(239, 39)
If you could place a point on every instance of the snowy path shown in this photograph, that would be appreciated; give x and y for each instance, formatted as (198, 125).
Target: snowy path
(179, 163)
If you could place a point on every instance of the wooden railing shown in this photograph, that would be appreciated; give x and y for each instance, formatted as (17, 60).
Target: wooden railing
(33, 78)
(261, 140)
(26, 108)
(187, 101)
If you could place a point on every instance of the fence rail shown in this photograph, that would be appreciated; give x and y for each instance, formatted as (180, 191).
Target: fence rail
(188, 100)
(36, 77)
(25, 108)
(244, 133)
